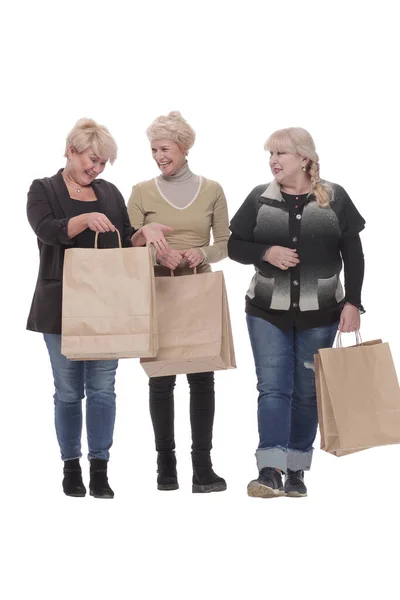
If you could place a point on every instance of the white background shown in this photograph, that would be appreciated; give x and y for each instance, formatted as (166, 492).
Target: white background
(237, 72)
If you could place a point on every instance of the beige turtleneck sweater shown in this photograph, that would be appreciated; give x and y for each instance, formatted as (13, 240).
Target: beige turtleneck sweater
(193, 206)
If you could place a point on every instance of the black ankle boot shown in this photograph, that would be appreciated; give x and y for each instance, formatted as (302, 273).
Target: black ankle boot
(204, 478)
(72, 482)
(98, 485)
(167, 478)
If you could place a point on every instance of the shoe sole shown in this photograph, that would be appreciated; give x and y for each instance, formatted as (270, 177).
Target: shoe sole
(257, 490)
(75, 495)
(101, 497)
(295, 494)
(210, 487)
(168, 487)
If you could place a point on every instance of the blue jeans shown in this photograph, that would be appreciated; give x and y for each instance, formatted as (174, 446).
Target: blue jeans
(71, 380)
(287, 404)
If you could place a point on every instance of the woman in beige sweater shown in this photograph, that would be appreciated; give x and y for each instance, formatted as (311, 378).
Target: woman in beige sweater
(193, 206)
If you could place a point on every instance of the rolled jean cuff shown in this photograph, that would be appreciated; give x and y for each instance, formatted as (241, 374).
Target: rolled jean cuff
(299, 461)
(100, 455)
(272, 457)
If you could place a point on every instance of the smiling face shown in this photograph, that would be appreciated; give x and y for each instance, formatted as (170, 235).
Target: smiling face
(168, 155)
(85, 166)
(286, 166)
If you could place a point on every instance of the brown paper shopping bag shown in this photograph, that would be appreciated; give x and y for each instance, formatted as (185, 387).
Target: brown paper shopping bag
(358, 397)
(108, 308)
(194, 328)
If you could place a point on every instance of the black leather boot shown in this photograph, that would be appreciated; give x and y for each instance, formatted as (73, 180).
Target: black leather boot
(98, 485)
(204, 478)
(167, 478)
(72, 482)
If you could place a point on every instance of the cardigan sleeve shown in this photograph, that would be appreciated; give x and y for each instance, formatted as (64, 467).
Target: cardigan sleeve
(353, 263)
(350, 220)
(220, 230)
(49, 230)
(241, 246)
(137, 215)
(135, 208)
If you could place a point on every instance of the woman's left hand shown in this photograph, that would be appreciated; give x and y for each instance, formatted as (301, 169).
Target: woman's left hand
(194, 256)
(349, 319)
(153, 233)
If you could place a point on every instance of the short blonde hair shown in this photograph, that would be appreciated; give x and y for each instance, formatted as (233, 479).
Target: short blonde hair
(86, 133)
(172, 127)
(298, 141)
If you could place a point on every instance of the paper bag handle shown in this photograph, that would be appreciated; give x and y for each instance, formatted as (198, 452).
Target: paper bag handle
(339, 343)
(96, 237)
(172, 274)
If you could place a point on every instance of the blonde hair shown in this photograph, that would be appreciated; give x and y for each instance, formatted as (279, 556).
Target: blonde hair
(172, 127)
(298, 141)
(86, 133)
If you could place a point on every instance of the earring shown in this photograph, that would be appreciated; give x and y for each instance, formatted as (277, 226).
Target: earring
(303, 168)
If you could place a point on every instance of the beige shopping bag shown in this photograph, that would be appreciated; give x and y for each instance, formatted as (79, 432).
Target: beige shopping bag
(108, 308)
(194, 328)
(358, 397)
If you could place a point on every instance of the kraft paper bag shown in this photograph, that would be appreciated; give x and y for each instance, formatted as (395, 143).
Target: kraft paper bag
(108, 306)
(358, 397)
(194, 328)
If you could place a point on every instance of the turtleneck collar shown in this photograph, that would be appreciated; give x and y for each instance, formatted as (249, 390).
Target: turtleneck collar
(182, 174)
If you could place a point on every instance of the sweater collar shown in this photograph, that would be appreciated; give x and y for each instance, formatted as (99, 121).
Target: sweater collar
(273, 192)
(182, 174)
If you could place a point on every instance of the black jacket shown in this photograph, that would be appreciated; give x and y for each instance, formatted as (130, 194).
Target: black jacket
(49, 210)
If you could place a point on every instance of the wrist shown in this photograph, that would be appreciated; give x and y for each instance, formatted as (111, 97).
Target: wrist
(358, 307)
(265, 254)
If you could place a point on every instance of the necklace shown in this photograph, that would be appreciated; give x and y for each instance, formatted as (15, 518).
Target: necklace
(73, 186)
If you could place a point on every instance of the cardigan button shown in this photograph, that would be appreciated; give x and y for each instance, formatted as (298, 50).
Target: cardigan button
(298, 217)
(295, 282)
(294, 304)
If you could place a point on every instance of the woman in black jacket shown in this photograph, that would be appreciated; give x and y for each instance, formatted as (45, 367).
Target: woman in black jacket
(297, 231)
(65, 211)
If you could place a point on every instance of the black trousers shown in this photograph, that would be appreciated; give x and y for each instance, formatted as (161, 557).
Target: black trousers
(202, 409)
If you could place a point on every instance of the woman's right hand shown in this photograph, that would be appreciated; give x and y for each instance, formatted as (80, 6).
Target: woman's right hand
(281, 257)
(99, 222)
(170, 258)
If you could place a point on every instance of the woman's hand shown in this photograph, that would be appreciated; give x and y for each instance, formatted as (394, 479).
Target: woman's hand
(153, 233)
(99, 222)
(349, 319)
(194, 256)
(281, 257)
(170, 258)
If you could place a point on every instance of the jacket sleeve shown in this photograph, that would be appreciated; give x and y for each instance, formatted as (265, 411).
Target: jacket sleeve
(49, 230)
(220, 230)
(241, 245)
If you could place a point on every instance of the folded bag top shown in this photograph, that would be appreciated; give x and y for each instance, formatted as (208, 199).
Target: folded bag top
(108, 304)
(194, 329)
